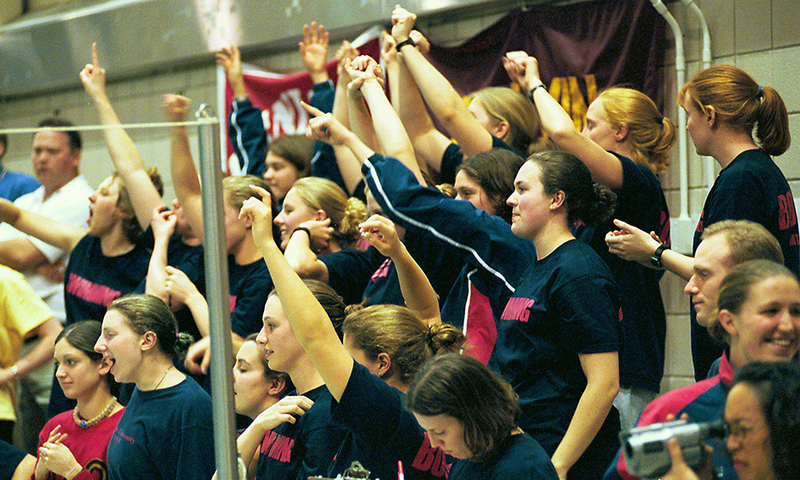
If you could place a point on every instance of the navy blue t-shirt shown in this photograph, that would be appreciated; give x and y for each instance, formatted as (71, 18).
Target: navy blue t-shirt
(91, 282)
(566, 306)
(382, 432)
(751, 187)
(453, 157)
(296, 451)
(10, 458)
(350, 271)
(164, 434)
(249, 287)
(640, 202)
(522, 457)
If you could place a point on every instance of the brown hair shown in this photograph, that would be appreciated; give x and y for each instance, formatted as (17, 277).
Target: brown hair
(399, 333)
(146, 313)
(651, 134)
(734, 291)
(330, 300)
(741, 103)
(494, 170)
(585, 200)
(295, 149)
(130, 224)
(465, 389)
(746, 241)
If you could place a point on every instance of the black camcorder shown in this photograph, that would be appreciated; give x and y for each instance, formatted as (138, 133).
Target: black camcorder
(645, 448)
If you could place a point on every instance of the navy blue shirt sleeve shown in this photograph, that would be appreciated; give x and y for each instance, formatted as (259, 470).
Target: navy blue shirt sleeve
(248, 137)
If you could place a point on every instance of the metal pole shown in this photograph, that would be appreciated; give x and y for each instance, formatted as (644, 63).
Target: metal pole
(217, 293)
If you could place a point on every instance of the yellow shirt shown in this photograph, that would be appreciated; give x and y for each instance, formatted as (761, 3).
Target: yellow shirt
(21, 311)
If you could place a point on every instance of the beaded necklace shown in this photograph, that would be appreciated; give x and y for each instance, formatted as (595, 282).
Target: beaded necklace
(106, 412)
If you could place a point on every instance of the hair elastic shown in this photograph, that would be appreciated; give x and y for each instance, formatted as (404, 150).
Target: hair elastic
(759, 94)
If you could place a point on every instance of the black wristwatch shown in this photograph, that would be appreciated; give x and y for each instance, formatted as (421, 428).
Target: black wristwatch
(655, 259)
(407, 41)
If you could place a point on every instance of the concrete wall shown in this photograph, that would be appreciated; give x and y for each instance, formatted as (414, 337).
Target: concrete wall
(757, 35)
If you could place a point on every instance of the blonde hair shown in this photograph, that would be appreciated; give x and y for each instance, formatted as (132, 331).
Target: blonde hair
(505, 104)
(651, 134)
(236, 189)
(741, 103)
(345, 213)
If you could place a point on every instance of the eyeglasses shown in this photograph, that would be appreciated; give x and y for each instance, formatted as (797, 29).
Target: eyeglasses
(737, 431)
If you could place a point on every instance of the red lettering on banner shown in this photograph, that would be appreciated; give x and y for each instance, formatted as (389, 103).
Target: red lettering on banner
(90, 291)
(787, 215)
(430, 459)
(232, 302)
(517, 309)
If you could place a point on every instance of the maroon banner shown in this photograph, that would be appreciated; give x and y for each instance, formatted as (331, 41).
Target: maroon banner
(581, 48)
(278, 96)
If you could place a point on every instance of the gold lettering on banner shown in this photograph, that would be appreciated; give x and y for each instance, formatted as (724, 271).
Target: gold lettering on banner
(567, 92)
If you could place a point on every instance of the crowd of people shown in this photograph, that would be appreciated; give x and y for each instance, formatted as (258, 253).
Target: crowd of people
(477, 302)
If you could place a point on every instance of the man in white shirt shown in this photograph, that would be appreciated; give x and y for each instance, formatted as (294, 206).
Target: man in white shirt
(63, 197)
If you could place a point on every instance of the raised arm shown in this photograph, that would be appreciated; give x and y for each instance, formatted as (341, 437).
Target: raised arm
(60, 235)
(184, 174)
(124, 153)
(310, 323)
(429, 143)
(349, 166)
(445, 103)
(556, 122)
(163, 225)
(245, 125)
(324, 127)
(386, 123)
(414, 284)
(301, 256)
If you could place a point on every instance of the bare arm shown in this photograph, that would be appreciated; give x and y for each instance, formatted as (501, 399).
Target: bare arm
(327, 129)
(184, 173)
(602, 377)
(349, 166)
(163, 225)
(417, 291)
(429, 143)
(47, 332)
(445, 103)
(60, 235)
(21, 254)
(124, 154)
(308, 319)
(556, 122)
(287, 409)
(299, 252)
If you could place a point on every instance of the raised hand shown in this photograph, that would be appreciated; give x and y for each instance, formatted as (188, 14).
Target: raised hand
(632, 243)
(324, 127)
(388, 50)
(346, 52)
(382, 234)
(93, 76)
(422, 43)
(402, 23)
(259, 214)
(231, 60)
(523, 69)
(314, 51)
(175, 107)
